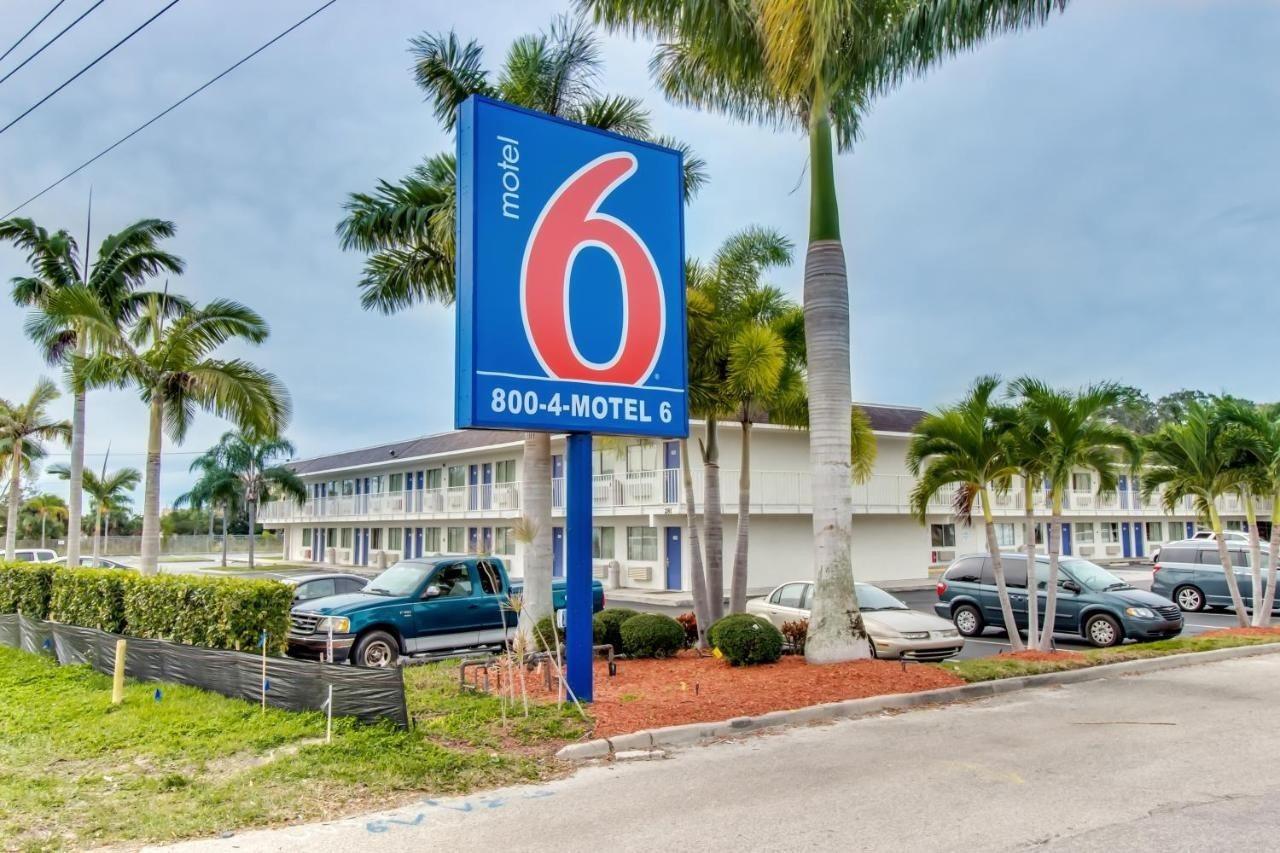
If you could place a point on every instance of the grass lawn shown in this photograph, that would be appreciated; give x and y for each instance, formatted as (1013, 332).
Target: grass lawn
(76, 772)
(1010, 666)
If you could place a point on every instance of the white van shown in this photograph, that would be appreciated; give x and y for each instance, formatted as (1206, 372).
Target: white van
(35, 555)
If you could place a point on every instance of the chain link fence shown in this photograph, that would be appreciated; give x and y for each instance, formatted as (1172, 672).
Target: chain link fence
(265, 545)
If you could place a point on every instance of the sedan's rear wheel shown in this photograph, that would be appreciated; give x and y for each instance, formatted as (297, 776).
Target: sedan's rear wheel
(1103, 631)
(968, 620)
(1189, 598)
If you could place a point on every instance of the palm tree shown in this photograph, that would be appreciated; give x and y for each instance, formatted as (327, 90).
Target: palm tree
(407, 227)
(172, 367)
(124, 263)
(1260, 478)
(23, 425)
(254, 461)
(217, 488)
(1198, 457)
(47, 506)
(962, 448)
(814, 67)
(1078, 436)
(107, 493)
(1026, 441)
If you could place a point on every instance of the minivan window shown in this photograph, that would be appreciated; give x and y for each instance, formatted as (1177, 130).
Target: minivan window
(1177, 555)
(1092, 576)
(1015, 571)
(1209, 557)
(965, 569)
(1239, 558)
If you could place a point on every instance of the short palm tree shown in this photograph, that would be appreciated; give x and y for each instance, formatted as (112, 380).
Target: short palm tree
(22, 425)
(108, 492)
(171, 364)
(1026, 444)
(254, 461)
(962, 449)
(45, 507)
(217, 488)
(124, 263)
(815, 68)
(1078, 436)
(1198, 457)
(407, 227)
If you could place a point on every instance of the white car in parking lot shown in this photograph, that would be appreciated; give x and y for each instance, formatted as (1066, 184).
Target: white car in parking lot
(895, 629)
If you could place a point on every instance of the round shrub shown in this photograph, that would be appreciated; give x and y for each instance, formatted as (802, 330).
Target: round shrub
(652, 635)
(608, 625)
(744, 639)
(545, 630)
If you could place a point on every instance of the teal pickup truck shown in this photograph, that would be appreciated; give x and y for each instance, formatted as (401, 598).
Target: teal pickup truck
(420, 606)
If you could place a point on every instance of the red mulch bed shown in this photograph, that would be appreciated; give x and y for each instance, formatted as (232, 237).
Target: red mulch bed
(1242, 632)
(1041, 656)
(693, 689)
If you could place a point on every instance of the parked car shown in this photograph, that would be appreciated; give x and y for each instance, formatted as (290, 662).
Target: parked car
(91, 563)
(1190, 573)
(418, 606)
(1229, 535)
(35, 555)
(1091, 601)
(323, 585)
(896, 630)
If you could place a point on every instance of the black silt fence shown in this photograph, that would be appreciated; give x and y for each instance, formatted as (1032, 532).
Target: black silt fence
(295, 685)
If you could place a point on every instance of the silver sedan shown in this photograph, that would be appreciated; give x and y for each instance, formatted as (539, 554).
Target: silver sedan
(896, 630)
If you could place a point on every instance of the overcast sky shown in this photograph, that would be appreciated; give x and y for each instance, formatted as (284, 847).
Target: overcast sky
(1094, 200)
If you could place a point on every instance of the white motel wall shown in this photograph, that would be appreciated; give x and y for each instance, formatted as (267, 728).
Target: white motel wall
(460, 492)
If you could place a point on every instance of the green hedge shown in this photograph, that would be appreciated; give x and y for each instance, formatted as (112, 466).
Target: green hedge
(214, 612)
(651, 635)
(545, 631)
(744, 639)
(607, 625)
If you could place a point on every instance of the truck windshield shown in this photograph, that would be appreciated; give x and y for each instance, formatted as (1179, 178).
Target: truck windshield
(400, 579)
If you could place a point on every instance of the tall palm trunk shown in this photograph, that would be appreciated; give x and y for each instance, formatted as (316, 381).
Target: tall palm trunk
(535, 505)
(1255, 560)
(697, 579)
(1269, 600)
(15, 498)
(1029, 545)
(208, 542)
(44, 516)
(106, 535)
(253, 525)
(1228, 570)
(712, 511)
(75, 496)
(224, 535)
(1051, 588)
(151, 491)
(97, 535)
(738, 581)
(997, 569)
(836, 631)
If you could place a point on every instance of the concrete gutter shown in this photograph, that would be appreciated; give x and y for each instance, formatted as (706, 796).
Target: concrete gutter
(694, 733)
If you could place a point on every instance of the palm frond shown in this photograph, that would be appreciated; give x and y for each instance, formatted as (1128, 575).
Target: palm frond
(449, 71)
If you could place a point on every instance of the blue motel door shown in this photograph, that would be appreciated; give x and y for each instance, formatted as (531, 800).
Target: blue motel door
(673, 555)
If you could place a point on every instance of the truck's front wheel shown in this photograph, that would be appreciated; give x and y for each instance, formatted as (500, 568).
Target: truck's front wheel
(376, 649)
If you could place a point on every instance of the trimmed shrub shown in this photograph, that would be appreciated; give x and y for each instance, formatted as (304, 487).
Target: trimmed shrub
(91, 598)
(25, 589)
(796, 633)
(689, 621)
(651, 635)
(744, 639)
(217, 613)
(608, 625)
(543, 638)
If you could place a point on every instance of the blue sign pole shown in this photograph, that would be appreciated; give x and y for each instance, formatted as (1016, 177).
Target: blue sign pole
(578, 603)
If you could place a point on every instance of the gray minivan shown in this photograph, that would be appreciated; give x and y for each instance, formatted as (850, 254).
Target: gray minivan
(1190, 572)
(1091, 602)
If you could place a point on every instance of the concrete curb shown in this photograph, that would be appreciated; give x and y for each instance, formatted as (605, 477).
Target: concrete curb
(693, 733)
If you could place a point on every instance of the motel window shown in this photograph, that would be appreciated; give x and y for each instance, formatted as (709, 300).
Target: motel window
(504, 471)
(395, 483)
(432, 481)
(642, 543)
(395, 538)
(457, 476)
(1109, 532)
(942, 535)
(457, 540)
(1177, 530)
(602, 543)
(348, 488)
(431, 540)
(1153, 531)
(1083, 532)
(331, 538)
(306, 537)
(602, 462)
(376, 484)
(345, 542)
(1081, 482)
(503, 541)
(375, 539)
(331, 489)
(1005, 536)
(1236, 525)
(642, 457)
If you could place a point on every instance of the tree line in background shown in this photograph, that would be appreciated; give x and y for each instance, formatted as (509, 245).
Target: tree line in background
(1039, 436)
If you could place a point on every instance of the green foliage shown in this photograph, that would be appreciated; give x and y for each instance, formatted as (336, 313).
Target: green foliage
(25, 589)
(745, 639)
(545, 631)
(608, 625)
(214, 612)
(92, 598)
(796, 632)
(651, 635)
(689, 621)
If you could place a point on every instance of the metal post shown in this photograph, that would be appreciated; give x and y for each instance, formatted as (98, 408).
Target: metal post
(578, 565)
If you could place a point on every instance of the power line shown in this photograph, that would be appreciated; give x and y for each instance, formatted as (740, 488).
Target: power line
(82, 71)
(60, 34)
(34, 26)
(78, 169)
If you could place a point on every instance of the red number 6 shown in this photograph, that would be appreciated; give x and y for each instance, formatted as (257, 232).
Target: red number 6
(569, 223)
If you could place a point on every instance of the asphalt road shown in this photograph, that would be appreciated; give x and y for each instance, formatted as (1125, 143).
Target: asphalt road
(1127, 763)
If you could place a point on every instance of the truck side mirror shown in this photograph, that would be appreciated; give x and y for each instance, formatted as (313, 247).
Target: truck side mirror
(432, 591)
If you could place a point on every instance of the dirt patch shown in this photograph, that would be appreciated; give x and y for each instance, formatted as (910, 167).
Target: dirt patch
(690, 688)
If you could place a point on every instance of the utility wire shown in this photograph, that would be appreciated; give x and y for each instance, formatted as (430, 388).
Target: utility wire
(34, 26)
(60, 34)
(78, 169)
(79, 73)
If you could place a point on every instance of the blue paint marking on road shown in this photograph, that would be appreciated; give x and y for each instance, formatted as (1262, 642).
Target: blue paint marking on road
(466, 806)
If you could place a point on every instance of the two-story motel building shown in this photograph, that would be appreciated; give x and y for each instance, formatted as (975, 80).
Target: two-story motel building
(460, 492)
